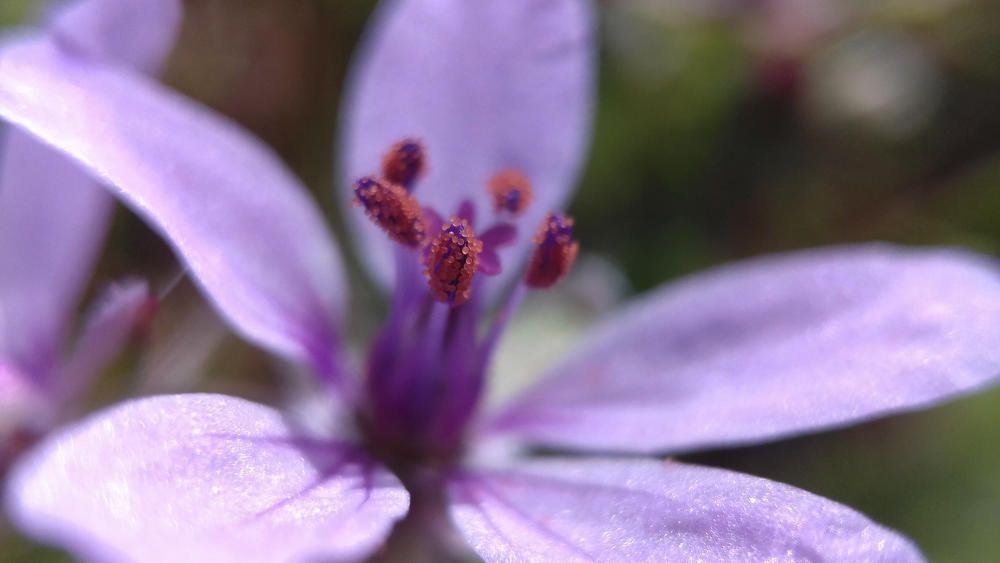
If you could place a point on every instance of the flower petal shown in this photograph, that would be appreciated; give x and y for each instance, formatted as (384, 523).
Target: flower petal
(775, 346)
(53, 218)
(197, 478)
(136, 33)
(645, 510)
(19, 401)
(107, 328)
(251, 236)
(52, 215)
(485, 85)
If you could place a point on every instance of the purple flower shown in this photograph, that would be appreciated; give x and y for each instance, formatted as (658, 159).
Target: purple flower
(53, 217)
(467, 111)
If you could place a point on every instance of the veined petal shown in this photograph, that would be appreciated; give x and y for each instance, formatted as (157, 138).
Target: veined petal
(199, 478)
(241, 221)
(486, 85)
(645, 510)
(774, 346)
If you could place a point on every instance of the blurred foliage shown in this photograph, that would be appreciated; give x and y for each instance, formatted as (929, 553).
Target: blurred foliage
(12, 11)
(724, 129)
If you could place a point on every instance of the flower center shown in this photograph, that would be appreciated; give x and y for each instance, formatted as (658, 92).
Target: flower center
(427, 365)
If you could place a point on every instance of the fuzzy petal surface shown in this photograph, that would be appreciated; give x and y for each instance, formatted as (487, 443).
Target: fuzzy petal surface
(647, 510)
(241, 221)
(771, 347)
(485, 85)
(198, 478)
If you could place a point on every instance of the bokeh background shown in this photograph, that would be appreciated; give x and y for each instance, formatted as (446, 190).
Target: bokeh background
(724, 129)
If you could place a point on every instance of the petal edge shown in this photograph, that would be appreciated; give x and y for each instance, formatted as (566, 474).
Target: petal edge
(198, 477)
(646, 510)
(771, 347)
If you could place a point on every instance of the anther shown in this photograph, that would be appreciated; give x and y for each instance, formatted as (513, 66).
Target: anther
(452, 262)
(511, 191)
(555, 251)
(393, 209)
(404, 163)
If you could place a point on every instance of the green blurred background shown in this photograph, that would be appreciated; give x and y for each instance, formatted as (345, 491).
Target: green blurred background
(724, 129)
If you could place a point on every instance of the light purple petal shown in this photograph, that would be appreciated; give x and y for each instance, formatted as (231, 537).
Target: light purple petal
(136, 33)
(632, 510)
(52, 215)
(19, 402)
(774, 346)
(106, 330)
(243, 223)
(197, 478)
(486, 85)
(52, 221)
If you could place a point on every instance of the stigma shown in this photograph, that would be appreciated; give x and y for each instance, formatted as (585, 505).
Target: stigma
(452, 262)
(511, 191)
(555, 252)
(393, 209)
(404, 163)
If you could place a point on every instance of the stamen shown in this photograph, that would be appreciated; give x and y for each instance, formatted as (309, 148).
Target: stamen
(511, 191)
(555, 251)
(393, 209)
(452, 262)
(404, 163)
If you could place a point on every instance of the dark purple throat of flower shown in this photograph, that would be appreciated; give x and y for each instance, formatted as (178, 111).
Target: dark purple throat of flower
(427, 366)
